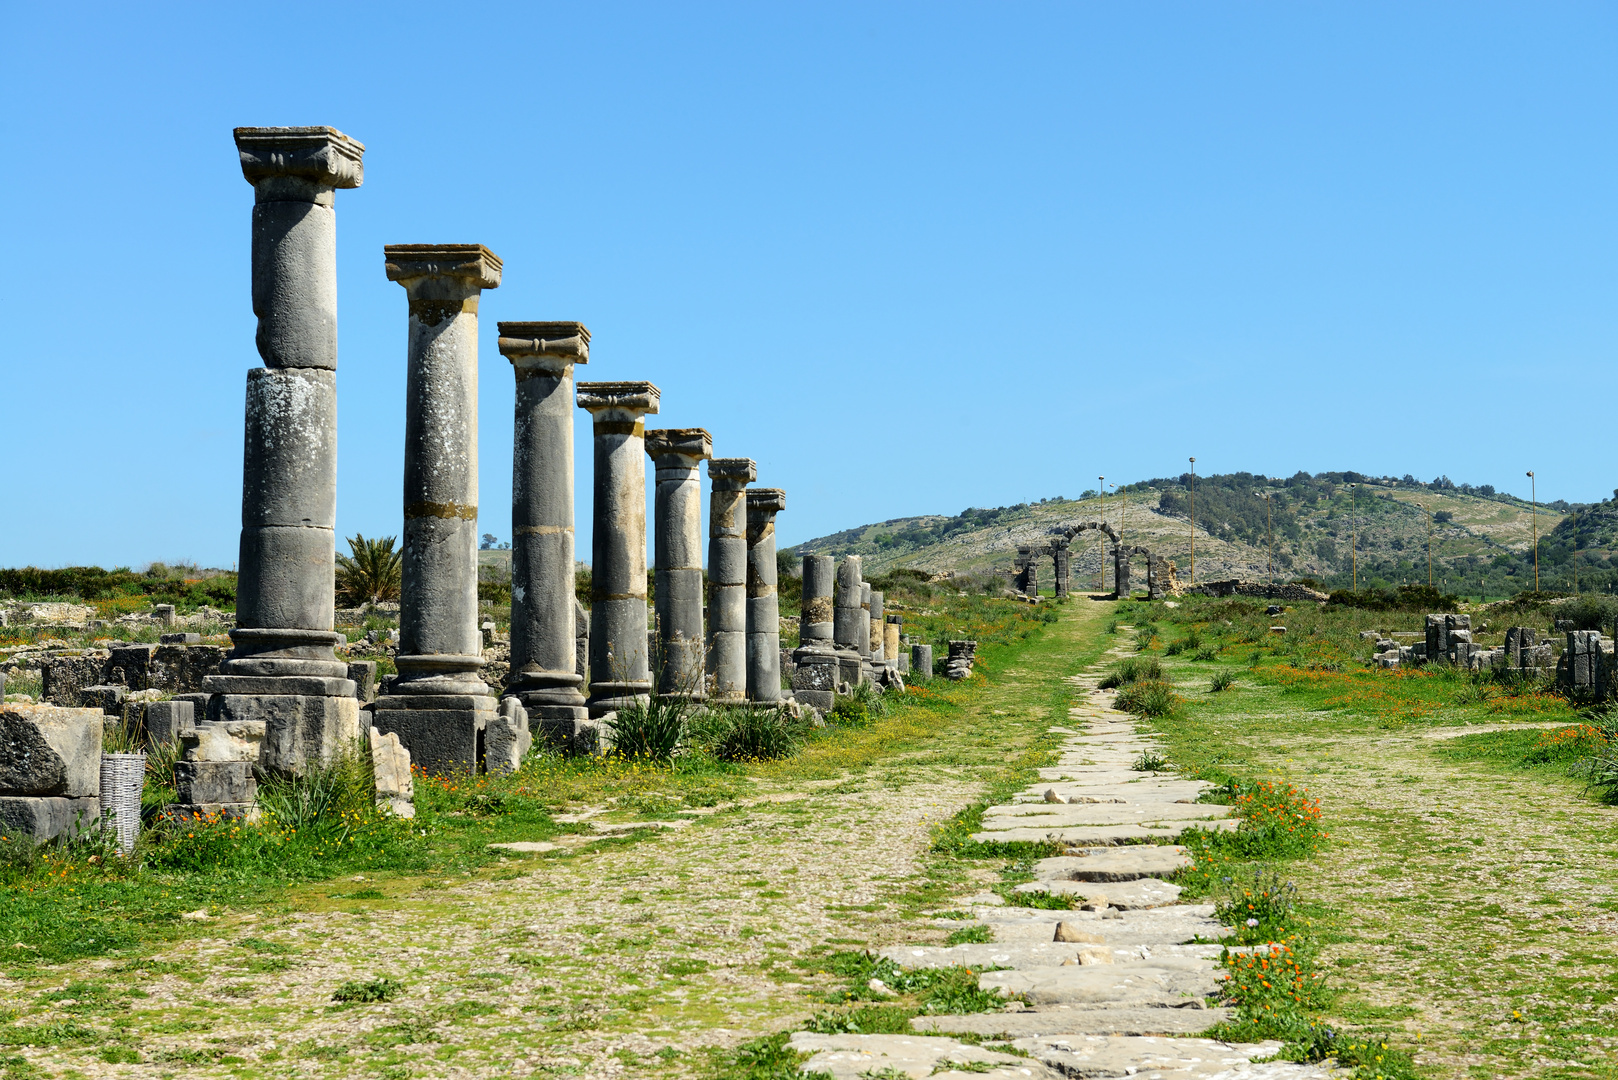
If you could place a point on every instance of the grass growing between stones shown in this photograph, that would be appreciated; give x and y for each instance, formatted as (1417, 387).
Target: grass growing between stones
(1464, 902)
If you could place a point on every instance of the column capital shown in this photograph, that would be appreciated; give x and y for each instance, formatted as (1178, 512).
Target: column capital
(630, 398)
(472, 265)
(694, 443)
(322, 155)
(533, 344)
(766, 500)
(740, 469)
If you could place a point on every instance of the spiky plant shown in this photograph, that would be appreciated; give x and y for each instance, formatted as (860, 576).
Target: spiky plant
(371, 572)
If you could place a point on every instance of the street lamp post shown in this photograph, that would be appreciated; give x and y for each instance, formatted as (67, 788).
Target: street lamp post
(1533, 490)
(1193, 521)
(1353, 533)
(1101, 489)
(1429, 547)
(1269, 539)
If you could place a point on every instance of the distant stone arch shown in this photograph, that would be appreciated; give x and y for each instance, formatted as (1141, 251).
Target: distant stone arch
(1159, 571)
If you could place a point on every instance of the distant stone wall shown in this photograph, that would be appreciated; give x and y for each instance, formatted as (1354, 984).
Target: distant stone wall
(1289, 591)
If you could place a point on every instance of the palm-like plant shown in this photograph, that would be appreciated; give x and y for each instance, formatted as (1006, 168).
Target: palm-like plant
(371, 572)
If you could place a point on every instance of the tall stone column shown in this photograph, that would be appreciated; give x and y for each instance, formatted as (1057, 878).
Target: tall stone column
(865, 622)
(439, 702)
(678, 454)
(892, 628)
(814, 675)
(727, 578)
(544, 625)
(763, 602)
(1061, 555)
(849, 621)
(283, 671)
(620, 674)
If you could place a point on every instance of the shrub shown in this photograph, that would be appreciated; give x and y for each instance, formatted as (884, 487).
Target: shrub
(1223, 679)
(368, 991)
(755, 734)
(1132, 669)
(1260, 906)
(850, 712)
(654, 729)
(1207, 653)
(1149, 697)
(371, 572)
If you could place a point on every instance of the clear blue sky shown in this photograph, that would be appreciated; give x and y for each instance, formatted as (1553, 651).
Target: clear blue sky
(911, 257)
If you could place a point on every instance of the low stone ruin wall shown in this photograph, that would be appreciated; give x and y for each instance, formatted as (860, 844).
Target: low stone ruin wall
(1290, 591)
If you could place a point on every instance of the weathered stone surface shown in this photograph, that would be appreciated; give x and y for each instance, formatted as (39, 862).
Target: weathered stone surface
(1106, 835)
(64, 676)
(179, 639)
(1077, 1020)
(47, 817)
(166, 721)
(1115, 863)
(1121, 1055)
(362, 673)
(223, 740)
(1159, 981)
(109, 698)
(570, 736)
(390, 770)
(763, 601)
(48, 750)
(678, 596)
(301, 732)
(182, 812)
(214, 782)
(1123, 895)
(442, 742)
(852, 1057)
(507, 739)
(1068, 932)
(130, 665)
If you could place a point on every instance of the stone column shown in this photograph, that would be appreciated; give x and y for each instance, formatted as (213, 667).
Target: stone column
(439, 703)
(879, 645)
(678, 454)
(727, 578)
(1120, 572)
(763, 604)
(865, 622)
(544, 625)
(1060, 555)
(814, 678)
(892, 627)
(620, 673)
(848, 629)
(283, 671)
(921, 661)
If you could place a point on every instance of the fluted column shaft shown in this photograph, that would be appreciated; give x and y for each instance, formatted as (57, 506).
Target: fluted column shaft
(543, 623)
(727, 577)
(816, 618)
(619, 666)
(763, 602)
(879, 650)
(678, 454)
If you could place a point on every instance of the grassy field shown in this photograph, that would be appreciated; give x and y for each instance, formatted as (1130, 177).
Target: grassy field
(1468, 889)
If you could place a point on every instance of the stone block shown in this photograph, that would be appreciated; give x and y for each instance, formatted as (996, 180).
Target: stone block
(130, 665)
(48, 817)
(223, 740)
(198, 782)
(301, 732)
(109, 698)
(390, 770)
(442, 742)
(64, 676)
(163, 614)
(47, 750)
(180, 639)
(506, 740)
(579, 738)
(166, 721)
(921, 661)
(180, 669)
(362, 673)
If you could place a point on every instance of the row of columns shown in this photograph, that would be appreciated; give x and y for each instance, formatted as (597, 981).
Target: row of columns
(439, 704)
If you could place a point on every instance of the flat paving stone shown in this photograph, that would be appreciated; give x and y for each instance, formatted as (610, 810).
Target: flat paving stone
(1023, 955)
(1072, 1020)
(1155, 927)
(1104, 835)
(1157, 982)
(1148, 1057)
(850, 1057)
(1063, 814)
(1123, 895)
(1115, 864)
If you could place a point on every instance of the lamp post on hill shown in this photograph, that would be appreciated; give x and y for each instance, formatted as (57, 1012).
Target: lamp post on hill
(1533, 494)
(1101, 490)
(1353, 533)
(1193, 491)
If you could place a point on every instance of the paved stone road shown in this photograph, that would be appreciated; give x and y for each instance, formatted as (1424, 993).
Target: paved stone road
(1107, 985)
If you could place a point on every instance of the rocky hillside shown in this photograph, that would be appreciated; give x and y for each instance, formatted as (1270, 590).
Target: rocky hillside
(1480, 539)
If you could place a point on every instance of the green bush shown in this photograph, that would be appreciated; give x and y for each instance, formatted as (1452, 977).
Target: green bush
(1223, 679)
(1149, 697)
(755, 734)
(1132, 669)
(654, 729)
(368, 991)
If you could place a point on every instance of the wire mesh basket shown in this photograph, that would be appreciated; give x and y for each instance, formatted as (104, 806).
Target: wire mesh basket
(123, 776)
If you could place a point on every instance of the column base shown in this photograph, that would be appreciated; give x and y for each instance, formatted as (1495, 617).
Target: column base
(815, 677)
(308, 723)
(272, 653)
(443, 732)
(850, 668)
(606, 697)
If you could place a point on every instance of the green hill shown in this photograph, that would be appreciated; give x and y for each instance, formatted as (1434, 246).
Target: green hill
(1324, 526)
